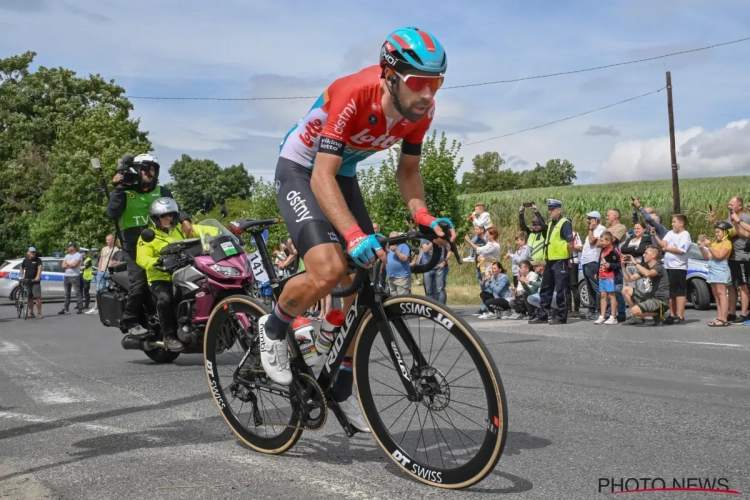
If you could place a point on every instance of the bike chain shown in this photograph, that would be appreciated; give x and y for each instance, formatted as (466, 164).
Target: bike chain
(319, 392)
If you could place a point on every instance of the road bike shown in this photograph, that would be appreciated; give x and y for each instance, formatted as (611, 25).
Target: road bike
(460, 408)
(22, 298)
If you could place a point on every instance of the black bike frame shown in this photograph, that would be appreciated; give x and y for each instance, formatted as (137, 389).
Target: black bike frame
(366, 300)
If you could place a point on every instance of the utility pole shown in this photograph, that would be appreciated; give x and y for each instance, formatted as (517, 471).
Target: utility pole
(672, 148)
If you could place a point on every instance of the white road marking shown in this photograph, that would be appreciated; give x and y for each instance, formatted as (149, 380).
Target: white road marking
(108, 429)
(41, 385)
(704, 343)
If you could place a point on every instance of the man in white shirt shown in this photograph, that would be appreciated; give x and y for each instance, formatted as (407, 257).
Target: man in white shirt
(590, 262)
(72, 280)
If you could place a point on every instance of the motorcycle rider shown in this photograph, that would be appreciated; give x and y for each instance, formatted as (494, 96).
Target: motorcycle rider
(130, 202)
(164, 214)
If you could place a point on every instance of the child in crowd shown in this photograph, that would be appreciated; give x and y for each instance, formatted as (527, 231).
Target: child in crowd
(530, 282)
(675, 246)
(610, 275)
(523, 253)
(718, 267)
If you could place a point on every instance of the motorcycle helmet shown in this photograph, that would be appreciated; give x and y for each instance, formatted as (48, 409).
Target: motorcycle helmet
(409, 49)
(147, 160)
(164, 206)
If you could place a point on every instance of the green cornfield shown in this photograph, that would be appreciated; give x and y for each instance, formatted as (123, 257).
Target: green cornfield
(695, 197)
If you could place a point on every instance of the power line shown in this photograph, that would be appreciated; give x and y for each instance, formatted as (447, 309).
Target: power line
(565, 119)
(537, 77)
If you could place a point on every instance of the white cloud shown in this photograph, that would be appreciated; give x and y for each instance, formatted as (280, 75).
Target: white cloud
(700, 153)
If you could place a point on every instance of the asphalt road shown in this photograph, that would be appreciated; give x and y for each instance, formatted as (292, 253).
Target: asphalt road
(81, 418)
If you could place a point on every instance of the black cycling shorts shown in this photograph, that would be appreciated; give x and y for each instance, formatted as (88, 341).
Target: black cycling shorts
(307, 224)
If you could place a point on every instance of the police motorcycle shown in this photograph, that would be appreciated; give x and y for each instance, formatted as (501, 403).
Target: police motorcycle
(205, 270)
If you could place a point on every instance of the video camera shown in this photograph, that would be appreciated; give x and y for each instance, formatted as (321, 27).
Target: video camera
(131, 176)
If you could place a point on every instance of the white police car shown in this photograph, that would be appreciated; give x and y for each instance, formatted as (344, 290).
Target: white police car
(51, 280)
(699, 291)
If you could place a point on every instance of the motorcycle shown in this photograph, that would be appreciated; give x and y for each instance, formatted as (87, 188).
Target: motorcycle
(204, 271)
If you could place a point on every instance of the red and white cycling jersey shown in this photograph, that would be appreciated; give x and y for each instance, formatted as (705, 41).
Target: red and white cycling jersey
(348, 120)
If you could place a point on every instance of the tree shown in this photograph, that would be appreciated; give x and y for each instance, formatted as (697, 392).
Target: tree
(439, 165)
(72, 207)
(196, 183)
(553, 173)
(235, 181)
(488, 175)
(199, 184)
(35, 107)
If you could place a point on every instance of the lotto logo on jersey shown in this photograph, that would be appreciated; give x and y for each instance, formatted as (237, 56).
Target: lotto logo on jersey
(311, 132)
(365, 138)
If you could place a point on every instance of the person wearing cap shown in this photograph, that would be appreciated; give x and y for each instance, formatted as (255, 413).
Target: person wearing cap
(590, 262)
(72, 279)
(31, 271)
(558, 247)
(536, 233)
(87, 274)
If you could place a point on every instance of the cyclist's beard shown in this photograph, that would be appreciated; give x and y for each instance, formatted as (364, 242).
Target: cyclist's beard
(405, 109)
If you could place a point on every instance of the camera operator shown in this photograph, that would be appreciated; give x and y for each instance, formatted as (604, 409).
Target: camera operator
(136, 187)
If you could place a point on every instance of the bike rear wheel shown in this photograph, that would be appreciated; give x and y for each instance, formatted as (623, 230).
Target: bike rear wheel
(270, 424)
(463, 387)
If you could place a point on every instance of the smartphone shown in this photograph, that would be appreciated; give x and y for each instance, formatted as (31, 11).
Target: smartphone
(528, 204)
(731, 211)
(710, 208)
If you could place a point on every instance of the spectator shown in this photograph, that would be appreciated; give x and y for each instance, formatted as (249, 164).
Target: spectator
(636, 246)
(718, 268)
(675, 246)
(556, 280)
(654, 302)
(617, 229)
(95, 261)
(619, 232)
(574, 299)
(529, 282)
(536, 233)
(610, 275)
(87, 274)
(523, 253)
(739, 266)
(590, 262)
(110, 255)
(479, 219)
(72, 279)
(480, 239)
(397, 269)
(488, 253)
(434, 280)
(31, 271)
(652, 219)
(497, 295)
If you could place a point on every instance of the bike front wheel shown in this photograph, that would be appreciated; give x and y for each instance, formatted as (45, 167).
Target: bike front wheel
(454, 434)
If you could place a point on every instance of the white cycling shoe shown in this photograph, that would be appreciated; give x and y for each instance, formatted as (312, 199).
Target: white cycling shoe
(274, 355)
(352, 412)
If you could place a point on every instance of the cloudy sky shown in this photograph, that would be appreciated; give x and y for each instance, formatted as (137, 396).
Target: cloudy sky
(261, 48)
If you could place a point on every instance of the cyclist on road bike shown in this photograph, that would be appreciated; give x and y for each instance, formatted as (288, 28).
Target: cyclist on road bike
(318, 193)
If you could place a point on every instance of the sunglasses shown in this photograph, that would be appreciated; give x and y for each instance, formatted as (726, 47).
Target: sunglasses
(418, 82)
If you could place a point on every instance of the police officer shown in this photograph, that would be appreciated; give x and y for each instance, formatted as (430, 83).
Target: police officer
(535, 239)
(87, 274)
(130, 202)
(558, 246)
